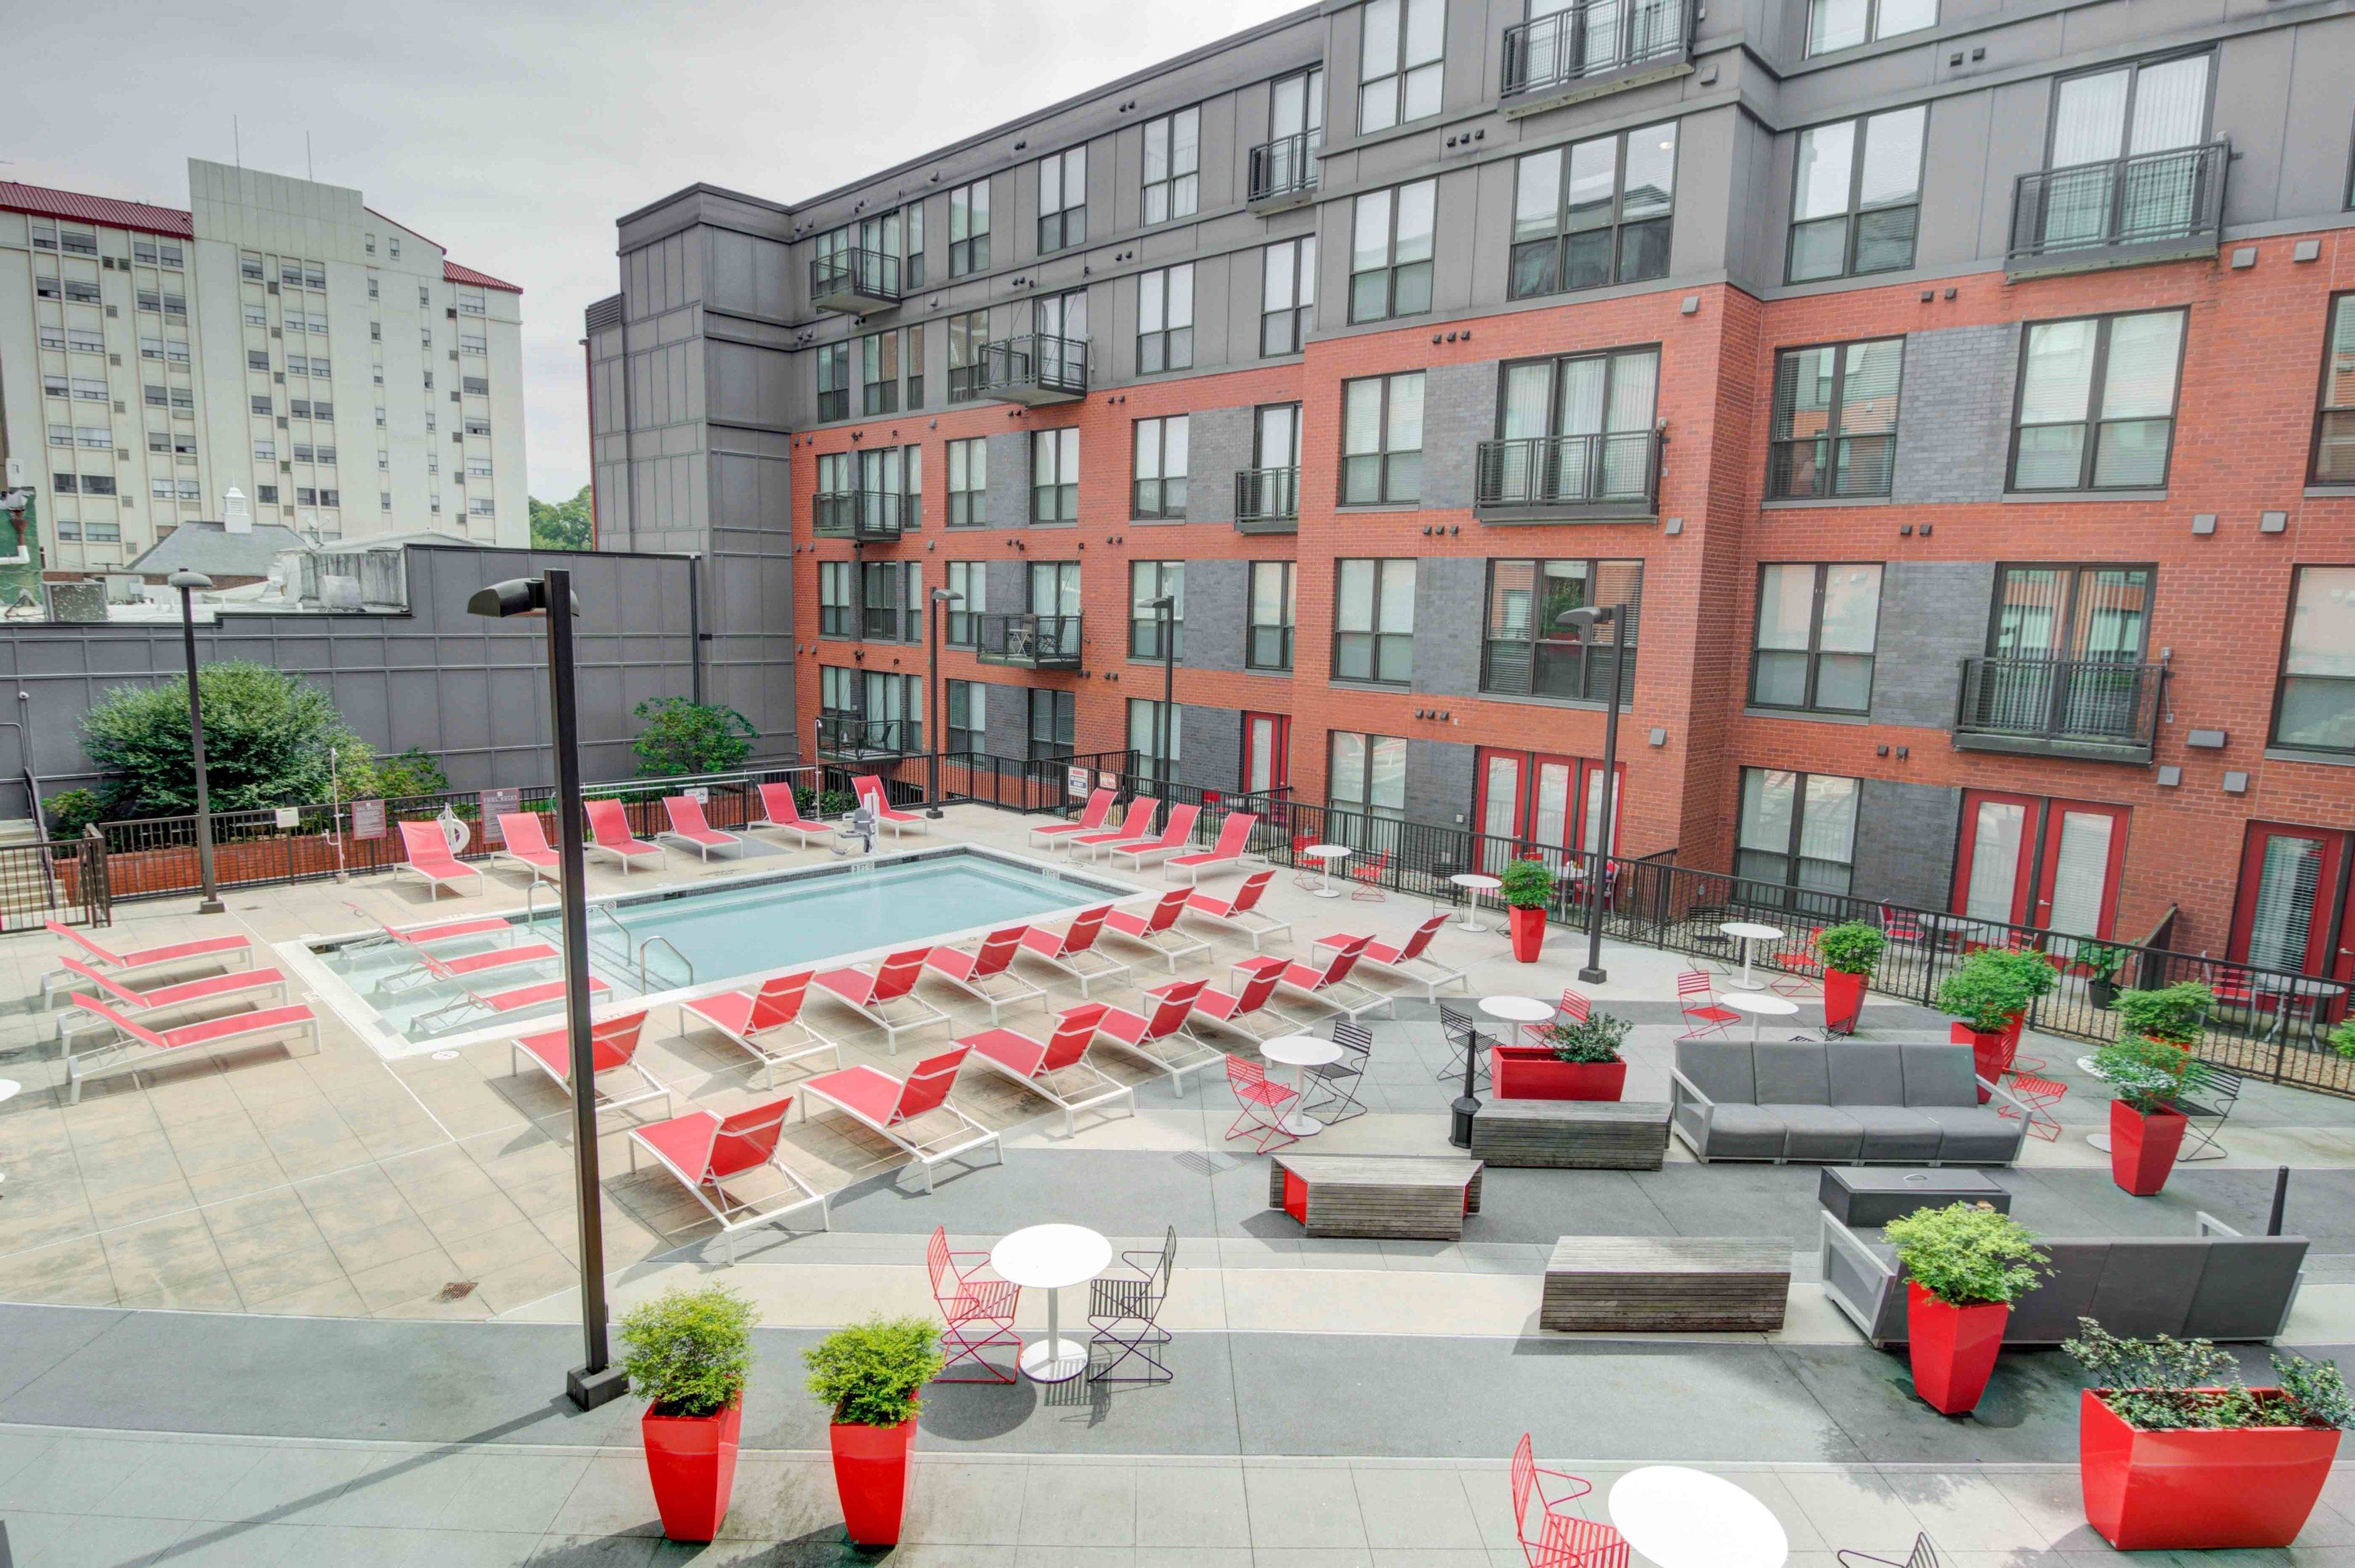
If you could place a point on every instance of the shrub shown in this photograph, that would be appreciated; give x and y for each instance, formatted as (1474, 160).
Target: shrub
(71, 810)
(684, 738)
(2032, 972)
(1852, 948)
(2165, 1385)
(813, 803)
(1597, 1039)
(2178, 1013)
(413, 772)
(687, 1351)
(2100, 960)
(867, 1374)
(2147, 1074)
(266, 740)
(1985, 991)
(1528, 884)
(2342, 1038)
(1967, 1254)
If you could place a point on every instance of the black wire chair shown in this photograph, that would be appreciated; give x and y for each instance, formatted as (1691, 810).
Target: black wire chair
(1334, 1097)
(1463, 1037)
(2219, 1089)
(1125, 1310)
(1924, 1556)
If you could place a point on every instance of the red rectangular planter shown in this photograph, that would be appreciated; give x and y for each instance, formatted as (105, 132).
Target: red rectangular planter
(2246, 1487)
(1534, 1072)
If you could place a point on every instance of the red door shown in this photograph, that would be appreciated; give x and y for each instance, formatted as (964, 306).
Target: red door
(2294, 910)
(1267, 751)
(2053, 865)
(1543, 799)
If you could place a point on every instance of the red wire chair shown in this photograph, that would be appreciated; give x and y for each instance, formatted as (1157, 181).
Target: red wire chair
(1574, 1008)
(1698, 997)
(979, 1312)
(2038, 1096)
(1564, 1539)
(1262, 1102)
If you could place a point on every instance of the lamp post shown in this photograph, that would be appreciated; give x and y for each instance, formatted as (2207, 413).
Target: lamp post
(1164, 612)
(1598, 877)
(596, 1381)
(189, 582)
(939, 707)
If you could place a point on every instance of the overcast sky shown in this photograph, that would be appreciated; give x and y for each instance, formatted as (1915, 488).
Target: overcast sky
(514, 132)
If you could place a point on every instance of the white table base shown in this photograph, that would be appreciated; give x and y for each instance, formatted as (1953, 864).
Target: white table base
(1300, 1123)
(1054, 1360)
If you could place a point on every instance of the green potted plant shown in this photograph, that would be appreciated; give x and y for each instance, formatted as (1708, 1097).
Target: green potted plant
(2101, 962)
(2342, 1038)
(2145, 1078)
(2175, 1451)
(1988, 996)
(1850, 951)
(687, 1353)
(2176, 1014)
(1964, 1264)
(1573, 1059)
(1527, 892)
(867, 1374)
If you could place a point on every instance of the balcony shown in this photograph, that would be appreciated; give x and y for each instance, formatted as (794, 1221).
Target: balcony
(856, 735)
(1594, 48)
(2153, 207)
(855, 280)
(869, 517)
(1035, 369)
(1566, 478)
(1284, 172)
(1028, 642)
(1267, 501)
(2096, 710)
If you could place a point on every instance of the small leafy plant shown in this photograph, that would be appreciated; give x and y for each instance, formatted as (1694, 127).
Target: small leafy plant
(1851, 948)
(867, 1374)
(1967, 1254)
(2178, 1013)
(1986, 992)
(2100, 960)
(1597, 1039)
(71, 810)
(2149, 1075)
(2167, 1384)
(1528, 884)
(2342, 1038)
(688, 1351)
(686, 738)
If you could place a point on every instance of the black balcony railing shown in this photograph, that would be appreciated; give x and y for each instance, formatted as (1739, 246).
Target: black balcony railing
(1034, 369)
(855, 279)
(1619, 473)
(1267, 499)
(2150, 207)
(872, 517)
(856, 735)
(1594, 42)
(1285, 166)
(1030, 642)
(2088, 708)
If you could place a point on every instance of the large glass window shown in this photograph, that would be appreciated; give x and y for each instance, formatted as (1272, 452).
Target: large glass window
(969, 580)
(2096, 406)
(911, 223)
(968, 461)
(1287, 296)
(1574, 430)
(969, 229)
(834, 381)
(1153, 736)
(1390, 255)
(1055, 476)
(834, 607)
(1817, 626)
(1373, 621)
(878, 373)
(968, 347)
(1400, 57)
(968, 717)
(1164, 319)
(1367, 774)
(2316, 708)
(891, 595)
(2144, 112)
(1844, 24)
(1381, 439)
(1594, 213)
(1267, 642)
(1526, 651)
(1159, 490)
(1149, 581)
(1856, 202)
(1063, 200)
(2334, 422)
(1798, 830)
(1835, 419)
(1173, 155)
(1053, 722)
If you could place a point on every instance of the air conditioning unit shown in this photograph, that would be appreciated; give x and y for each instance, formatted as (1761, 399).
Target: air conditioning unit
(277, 332)
(114, 359)
(122, 455)
(120, 408)
(454, 397)
(114, 313)
(453, 357)
(272, 288)
(279, 377)
(451, 313)
(458, 436)
(282, 421)
(285, 467)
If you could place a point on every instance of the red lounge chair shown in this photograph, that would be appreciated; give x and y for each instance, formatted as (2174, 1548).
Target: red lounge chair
(686, 822)
(1175, 836)
(885, 998)
(150, 1006)
(1137, 824)
(1054, 1072)
(1262, 1102)
(1235, 836)
(525, 842)
(987, 973)
(1246, 1014)
(1698, 998)
(1564, 1539)
(1157, 927)
(1156, 1038)
(428, 858)
(439, 932)
(781, 811)
(608, 834)
(871, 795)
(979, 1313)
(731, 1165)
(1073, 951)
(1049, 835)
(124, 966)
(138, 1038)
(1241, 912)
(613, 1048)
(1327, 983)
(1408, 958)
(521, 998)
(766, 1022)
(891, 1108)
(1802, 968)
(490, 961)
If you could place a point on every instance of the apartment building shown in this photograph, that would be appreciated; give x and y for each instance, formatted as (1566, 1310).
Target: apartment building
(277, 337)
(1957, 402)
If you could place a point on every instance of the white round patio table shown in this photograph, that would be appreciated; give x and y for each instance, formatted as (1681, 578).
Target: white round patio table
(1748, 931)
(1324, 855)
(1300, 1052)
(1689, 1518)
(2099, 1139)
(1517, 1009)
(9, 1090)
(1761, 1006)
(1474, 883)
(1047, 1258)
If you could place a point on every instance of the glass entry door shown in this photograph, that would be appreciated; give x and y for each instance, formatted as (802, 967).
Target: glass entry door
(2049, 865)
(1267, 751)
(2295, 912)
(1532, 799)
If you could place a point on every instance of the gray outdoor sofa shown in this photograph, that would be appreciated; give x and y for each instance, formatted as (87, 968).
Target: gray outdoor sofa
(1844, 1102)
(2218, 1285)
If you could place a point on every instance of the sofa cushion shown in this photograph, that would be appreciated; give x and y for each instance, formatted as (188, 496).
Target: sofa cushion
(2047, 1314)
(1975, 1135)
(1866, 1073)
(2147, 1285)
(1745, 1132)
(1816, 1132)
(1939, 1075)
(1893, 1133)
(1718, 1069)
(1791, 1074)
(2245, 1289)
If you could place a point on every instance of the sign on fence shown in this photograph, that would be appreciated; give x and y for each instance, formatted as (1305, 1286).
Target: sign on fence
(496, 800)
(1107, 779)
(290, 817)
(1075, 782)
(367, 819)
(699, 794)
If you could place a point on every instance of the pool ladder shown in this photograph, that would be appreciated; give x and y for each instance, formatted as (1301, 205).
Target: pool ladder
(530, 914)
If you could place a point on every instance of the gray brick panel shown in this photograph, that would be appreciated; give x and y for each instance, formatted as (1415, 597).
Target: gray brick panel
(1905, 842)
(1006, 716)
(1439, 778)
(1934, 616)
(1220, 440)
(1459, 412)
(1209, 745)
(1010, 479)
(1953, 414)
(1448, 593)
(1218, 599)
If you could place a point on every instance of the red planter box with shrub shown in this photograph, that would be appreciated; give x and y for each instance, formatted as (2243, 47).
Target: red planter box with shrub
(2142, 1146)
(2199, 1489)
(1534, 1072)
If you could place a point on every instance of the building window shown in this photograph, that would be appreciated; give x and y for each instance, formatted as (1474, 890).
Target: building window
(468, 304)
(892, 486)
(1594, 213)
(834, 381)
(1856, 202)
(1526, 651)
(259, 405)
(878, 373)
(1153, 736)
(892, 596)
(268, 494)
(2097, 402)
(1367, 774)
(2334, 422)
(968, 347)
(1834, 422)
(834, 599)
(969, 229)
(968, 716)
(913, 360)
(968, 482)
(1164, 319)
(1173, 153)
(969, 580)
(911, 228)
(1797, 831)
(89, 390)
(1287, 296)
(1399, 62)
(1574, 430)
(1055, 476)
(1373, 621)
(1381, 439)
(2316, 709)
(1818, 625)
(1161, 455)
(99, 437)
(1844, 24)
(64, 484)
(1053, 725)
(63, 435)
(83, 340)
(1267, 640)
(472, 386)
(1063, 200)
(1390, 254)
(1149, 581)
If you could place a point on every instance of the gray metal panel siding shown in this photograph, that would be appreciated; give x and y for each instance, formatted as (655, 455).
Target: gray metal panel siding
(1905, 842)
(1448, 593)
(1218, 597)
(1209, 746)
(1220, 447)
(1439, 778)
(1934, 616)
(1954, 417)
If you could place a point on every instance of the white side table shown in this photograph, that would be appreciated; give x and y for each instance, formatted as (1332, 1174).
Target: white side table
(1047, 1258)
(1689, 1518)
(1300, 1052)
(1324, 855)
(1748, 931)
(1761, 1006)
(1474, 884)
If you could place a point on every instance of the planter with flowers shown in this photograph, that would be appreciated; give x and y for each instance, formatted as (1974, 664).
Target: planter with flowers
(1575, 1060)
(1527, 892)
(1850, 951)
(868, 1375)
(1989, 994)
(2146, 1077)
(1964, 1264)
(687, 1353)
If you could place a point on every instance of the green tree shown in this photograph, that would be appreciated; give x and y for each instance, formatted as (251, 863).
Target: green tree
(266, 740)
(561, 524)
(682, 738)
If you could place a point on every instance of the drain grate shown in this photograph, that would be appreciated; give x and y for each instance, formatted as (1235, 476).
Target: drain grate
(456, 1290)
(1204, 1164)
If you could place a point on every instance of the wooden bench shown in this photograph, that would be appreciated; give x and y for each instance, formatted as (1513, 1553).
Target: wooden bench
(1666, 1284)
(1581, 1134)
(1387, 1198)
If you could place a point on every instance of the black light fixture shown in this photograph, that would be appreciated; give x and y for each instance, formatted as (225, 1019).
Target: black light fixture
(1585, 622)
(932, 694)
(188, 583)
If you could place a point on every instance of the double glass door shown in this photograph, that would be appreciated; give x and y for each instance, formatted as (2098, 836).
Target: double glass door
(2066, 652)
(2052, 865)
(1535, 799)
(2295, 912)
(2126, 155)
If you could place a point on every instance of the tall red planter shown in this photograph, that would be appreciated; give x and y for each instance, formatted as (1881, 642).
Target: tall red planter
(1987, 1052)
(870, 1474)
(691, 1460)
(1952, 1348)
(2199, 1491)
(2142, 1146)
(1843, 1000)
(1528, 931)
(1534, 1072)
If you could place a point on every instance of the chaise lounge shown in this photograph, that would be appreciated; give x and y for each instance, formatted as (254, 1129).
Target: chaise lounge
(1905, 1102)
